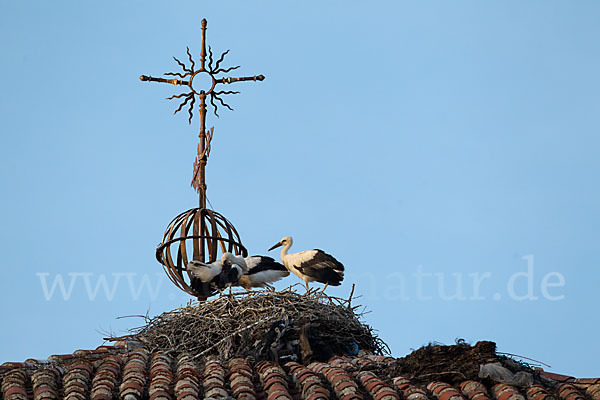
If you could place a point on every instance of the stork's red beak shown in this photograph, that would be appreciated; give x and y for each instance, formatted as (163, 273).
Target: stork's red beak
(276, 245)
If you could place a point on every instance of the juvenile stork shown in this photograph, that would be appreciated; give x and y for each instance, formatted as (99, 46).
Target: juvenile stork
(311, 265)
(208, 277)
(261, 271)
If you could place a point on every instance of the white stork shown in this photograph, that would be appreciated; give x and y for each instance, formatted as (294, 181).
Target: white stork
(311, 265)
(261, 271)
(206, 277)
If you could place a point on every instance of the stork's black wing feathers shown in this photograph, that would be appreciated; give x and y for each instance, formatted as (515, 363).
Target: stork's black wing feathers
(266, 264)
(323, 268)
(323, 257)
(206, 289)
(228, 275)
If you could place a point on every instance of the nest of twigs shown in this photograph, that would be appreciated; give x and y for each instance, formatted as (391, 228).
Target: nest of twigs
(263, 325)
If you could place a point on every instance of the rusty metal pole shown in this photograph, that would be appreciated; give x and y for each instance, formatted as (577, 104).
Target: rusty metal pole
(202, 158)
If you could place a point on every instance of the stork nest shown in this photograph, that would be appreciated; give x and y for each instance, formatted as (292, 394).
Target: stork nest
(265, 325)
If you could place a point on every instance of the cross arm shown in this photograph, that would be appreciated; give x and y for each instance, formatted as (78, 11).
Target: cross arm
(246, 78)
(146, 78)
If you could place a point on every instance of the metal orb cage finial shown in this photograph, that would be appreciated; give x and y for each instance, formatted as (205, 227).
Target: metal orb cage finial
(199, 234)
(192, 235)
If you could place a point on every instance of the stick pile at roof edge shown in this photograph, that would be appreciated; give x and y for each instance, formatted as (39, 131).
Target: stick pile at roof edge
(265, 325)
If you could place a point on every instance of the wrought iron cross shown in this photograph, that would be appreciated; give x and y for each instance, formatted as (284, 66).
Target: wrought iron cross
(191, 73)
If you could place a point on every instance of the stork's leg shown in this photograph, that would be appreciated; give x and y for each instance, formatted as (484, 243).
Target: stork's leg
(307, 288)
(324, 287)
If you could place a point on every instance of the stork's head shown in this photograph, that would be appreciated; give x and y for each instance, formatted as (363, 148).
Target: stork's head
(230, 258)
(234, 275)
(286, 241)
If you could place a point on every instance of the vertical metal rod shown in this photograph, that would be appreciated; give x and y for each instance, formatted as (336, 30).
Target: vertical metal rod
(203, 49)
(202, 161)
(201, 154)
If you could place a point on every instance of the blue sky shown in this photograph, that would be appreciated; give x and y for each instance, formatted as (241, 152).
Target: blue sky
(445, 152)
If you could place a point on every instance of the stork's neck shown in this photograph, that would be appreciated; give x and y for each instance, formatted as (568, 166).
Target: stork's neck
(285, 249)
(238, 260)
(242, 263)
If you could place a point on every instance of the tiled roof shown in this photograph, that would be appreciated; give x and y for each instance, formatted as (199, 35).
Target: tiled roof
(127, 371)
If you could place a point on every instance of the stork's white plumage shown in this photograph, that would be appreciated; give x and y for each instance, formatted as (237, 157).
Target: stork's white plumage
(311, 265)
(207, 277)
(206, 272)
(261, 271)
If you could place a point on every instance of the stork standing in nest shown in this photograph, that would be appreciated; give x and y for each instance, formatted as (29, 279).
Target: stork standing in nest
(261, 271)
(207, 278)
(311, 265)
